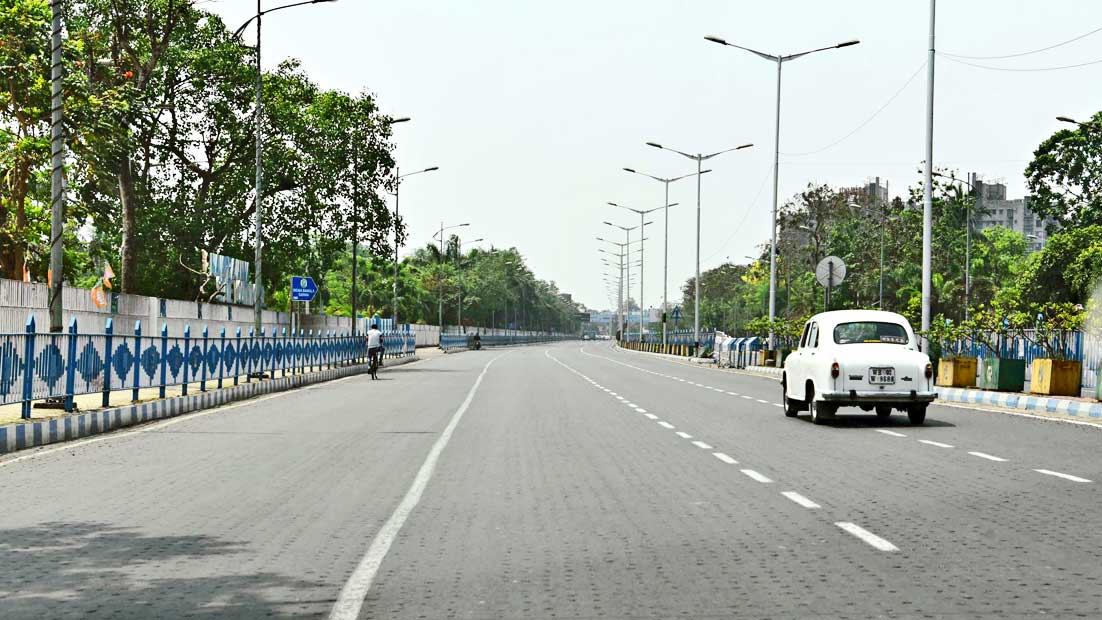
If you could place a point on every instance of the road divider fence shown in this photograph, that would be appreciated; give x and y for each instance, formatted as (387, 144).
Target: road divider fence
(463, 342)
(60, 365)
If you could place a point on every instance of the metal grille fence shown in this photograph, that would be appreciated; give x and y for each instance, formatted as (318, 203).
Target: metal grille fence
(36, 366)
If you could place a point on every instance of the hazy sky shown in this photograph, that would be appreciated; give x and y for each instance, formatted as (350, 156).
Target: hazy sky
(531, 109)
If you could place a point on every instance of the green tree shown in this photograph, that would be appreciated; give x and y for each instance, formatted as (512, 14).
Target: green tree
(1065, 176)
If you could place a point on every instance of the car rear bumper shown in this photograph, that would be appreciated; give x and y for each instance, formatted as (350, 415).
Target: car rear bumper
(857, 397)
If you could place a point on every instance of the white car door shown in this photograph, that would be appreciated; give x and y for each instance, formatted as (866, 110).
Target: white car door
(794, 367)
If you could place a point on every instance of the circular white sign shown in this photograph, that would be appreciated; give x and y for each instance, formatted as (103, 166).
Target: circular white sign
(830, 271)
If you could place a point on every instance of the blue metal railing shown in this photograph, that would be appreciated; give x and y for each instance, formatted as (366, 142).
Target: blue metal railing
(36, 366)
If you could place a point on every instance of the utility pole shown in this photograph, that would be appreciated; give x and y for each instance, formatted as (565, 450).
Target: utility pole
(57, 172)
(928, 193)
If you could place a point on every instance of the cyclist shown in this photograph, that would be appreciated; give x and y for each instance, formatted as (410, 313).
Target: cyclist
(374, 345)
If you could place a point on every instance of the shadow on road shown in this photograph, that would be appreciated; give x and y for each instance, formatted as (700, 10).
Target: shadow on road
(871, 421)
(80, 570)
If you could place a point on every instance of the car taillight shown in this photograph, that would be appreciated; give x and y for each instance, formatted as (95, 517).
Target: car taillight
(929, 370)
(835, 370)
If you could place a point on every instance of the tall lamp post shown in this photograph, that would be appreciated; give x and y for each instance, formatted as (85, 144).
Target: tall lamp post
(627, 234)
(356, 218)
(440, 291)
(967, 240)
(57, 170)
(699, 159)
(779, 60)
(666, 242)
(397, 188)
(459, 270)
(258, 282)
(624, 257)
(642, 214)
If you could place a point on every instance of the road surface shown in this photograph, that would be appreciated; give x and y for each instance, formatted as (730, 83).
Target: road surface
(565, 481)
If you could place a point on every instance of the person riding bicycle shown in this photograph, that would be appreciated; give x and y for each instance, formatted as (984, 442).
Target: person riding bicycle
(375, 344)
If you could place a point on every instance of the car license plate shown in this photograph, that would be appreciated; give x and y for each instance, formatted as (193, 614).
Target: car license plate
(881, 376)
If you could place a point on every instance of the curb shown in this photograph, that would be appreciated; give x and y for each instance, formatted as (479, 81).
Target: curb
(24, 435)
(1022, 402)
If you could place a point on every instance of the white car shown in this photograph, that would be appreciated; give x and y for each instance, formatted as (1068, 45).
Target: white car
(858, 358)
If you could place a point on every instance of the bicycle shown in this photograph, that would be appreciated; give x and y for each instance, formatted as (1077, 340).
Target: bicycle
(373, 365)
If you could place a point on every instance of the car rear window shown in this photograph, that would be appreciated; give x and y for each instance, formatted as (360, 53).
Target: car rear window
(870, 331)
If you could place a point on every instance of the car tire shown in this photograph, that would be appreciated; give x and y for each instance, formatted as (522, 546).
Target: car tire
(821, 411)
(916, 414)
(883, 411)
(791, 407)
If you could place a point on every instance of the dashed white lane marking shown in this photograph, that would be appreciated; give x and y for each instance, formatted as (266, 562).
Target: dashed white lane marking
(892, 433)
(726, 459)
(988, 457)
(684, 435)
(629, 404)
(800, 499)
(352, 595)
(763, 401)
(620, 398)
(652, 416)
(934, 443)
(748, 397)
(733, 393)
(756, 476)
(702, 445)
(665, 424)
(778, 405)
(867, 536)
(640, 410)
(1049, 472)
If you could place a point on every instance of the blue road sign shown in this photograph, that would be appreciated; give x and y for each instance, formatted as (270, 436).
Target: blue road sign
(303, 288)
(677, 313)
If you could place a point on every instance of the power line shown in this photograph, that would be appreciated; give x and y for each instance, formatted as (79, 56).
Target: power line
(1023, 69)
(867, 120)
(1019, 54)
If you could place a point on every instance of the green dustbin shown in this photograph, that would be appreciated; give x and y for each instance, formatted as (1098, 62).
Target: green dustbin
(1002, 374)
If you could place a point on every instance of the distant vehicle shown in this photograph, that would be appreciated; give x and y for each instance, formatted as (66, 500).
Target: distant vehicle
(858, 358)
(587, 337)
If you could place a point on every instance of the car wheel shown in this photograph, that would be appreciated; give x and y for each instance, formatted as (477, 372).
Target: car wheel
(916, 414)
(791, 407)
(821, 411)
(883, 411)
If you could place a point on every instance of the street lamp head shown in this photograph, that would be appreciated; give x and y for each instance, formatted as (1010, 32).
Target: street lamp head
(1065, 119)
(715, 39)
(395, 121)
(744, 146)
(613, 204)
(609, 223)
(630, 170)
(655, 145)
(431, 169)
(847, 43)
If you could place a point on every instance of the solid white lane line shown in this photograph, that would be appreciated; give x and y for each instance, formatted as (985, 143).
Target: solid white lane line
(988, 457)
(892, 433)
(800, 499)
(756, 476)
(652, 416)
(867, 536)
(1049, 472)
(702, 445)
(665, 424)
(934, 443)
(726, 459)
(684, 435)
(351, 598)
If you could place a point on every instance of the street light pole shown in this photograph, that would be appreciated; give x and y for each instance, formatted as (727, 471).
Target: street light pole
(57, 164)
(440, 288)
(397, 189)
(642, 214)
(699, 159)
(458, 272)
(928, 190)
(666, 242)
(258, 116)
(779, 60)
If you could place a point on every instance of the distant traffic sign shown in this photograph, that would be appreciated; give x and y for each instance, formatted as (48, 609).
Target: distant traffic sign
(303, 288)
(677, 313)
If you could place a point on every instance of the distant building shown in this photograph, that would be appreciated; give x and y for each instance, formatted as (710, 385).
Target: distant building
(872, 192)
(1013, 213)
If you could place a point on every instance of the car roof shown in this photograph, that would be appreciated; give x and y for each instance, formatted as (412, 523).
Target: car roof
(835, 317)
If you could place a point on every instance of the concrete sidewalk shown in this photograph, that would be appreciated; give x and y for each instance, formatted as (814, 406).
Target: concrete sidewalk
(55, 425)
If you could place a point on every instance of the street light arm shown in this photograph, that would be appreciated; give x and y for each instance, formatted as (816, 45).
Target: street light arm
(685, 176)
(734, 148)
(666, 148)
(715, 39)
(238, 32)
(821, 49)
(409, 174)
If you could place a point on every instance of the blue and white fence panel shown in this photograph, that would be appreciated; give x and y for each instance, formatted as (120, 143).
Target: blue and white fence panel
(1073, 346)
(38, 366)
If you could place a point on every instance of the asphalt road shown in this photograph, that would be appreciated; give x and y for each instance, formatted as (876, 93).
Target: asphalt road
(567, 481)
